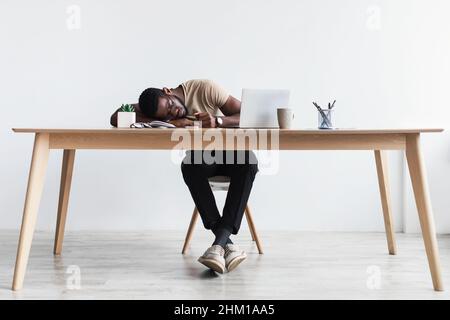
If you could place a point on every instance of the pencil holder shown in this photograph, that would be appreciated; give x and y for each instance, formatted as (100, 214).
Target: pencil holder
(326, 119)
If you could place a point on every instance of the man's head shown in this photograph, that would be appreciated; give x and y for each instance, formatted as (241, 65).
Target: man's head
(161, 104)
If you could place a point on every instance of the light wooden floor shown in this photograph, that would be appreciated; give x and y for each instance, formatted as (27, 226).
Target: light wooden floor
(296, 265)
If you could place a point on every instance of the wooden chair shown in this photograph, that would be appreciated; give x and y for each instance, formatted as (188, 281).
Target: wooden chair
(221, 183)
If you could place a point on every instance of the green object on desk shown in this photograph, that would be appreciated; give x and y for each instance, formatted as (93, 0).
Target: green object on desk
(127, 108)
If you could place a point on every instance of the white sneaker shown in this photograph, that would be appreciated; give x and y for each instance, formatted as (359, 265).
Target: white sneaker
(233, 256)
(214, 259)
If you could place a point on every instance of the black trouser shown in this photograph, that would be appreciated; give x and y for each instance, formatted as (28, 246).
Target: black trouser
(240, 166)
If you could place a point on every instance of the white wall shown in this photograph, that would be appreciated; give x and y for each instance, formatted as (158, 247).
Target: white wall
(386, 62)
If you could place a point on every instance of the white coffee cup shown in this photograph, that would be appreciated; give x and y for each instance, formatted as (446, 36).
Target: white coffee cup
(285, 117)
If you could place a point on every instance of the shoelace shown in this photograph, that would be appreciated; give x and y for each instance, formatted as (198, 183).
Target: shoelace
(217, 249)
(228, 250)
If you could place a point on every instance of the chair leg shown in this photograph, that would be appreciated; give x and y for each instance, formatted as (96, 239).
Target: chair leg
(190, 230)
(251, 229)
(251, 225)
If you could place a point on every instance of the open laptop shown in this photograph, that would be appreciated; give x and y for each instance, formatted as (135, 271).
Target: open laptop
(259, 107)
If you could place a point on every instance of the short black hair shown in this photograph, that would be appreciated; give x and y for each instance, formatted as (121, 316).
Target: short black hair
(148, 101)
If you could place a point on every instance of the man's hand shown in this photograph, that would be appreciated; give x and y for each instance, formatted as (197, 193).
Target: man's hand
(208, 120)
(181, 122)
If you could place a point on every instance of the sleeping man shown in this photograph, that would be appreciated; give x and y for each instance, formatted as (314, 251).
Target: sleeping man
(201, 100)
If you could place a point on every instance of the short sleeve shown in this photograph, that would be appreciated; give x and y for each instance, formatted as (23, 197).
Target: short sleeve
(217, 93)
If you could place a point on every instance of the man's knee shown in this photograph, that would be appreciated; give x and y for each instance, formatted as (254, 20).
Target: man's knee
(188, 168)
(192, 171)
(252, 169)
(247, 169)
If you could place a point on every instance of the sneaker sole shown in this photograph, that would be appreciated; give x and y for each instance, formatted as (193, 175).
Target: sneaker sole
(235, 262)
(212, 264)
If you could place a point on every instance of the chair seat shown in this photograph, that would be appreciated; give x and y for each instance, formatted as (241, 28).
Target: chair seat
(219, 179)
(219, 183)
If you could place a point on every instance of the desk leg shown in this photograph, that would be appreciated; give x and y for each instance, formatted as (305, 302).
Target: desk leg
(36, 178)
(383, 182)
(64, 192)
(419, 183)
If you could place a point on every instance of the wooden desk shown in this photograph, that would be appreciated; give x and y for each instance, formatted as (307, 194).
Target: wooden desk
(377, 140)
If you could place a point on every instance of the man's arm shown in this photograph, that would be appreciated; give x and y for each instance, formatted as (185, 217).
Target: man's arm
(232, 111)
(140, 117)
(181, 122)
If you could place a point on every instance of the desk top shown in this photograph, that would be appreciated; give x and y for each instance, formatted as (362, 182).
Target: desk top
(283, 131)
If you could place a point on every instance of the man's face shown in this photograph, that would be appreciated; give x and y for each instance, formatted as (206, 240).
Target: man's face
(170, 107)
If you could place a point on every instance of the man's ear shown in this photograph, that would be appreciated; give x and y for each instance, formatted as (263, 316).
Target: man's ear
(167, 90)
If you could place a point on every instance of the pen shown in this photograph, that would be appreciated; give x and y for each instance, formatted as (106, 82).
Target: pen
(325, 118)
(191, 117)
